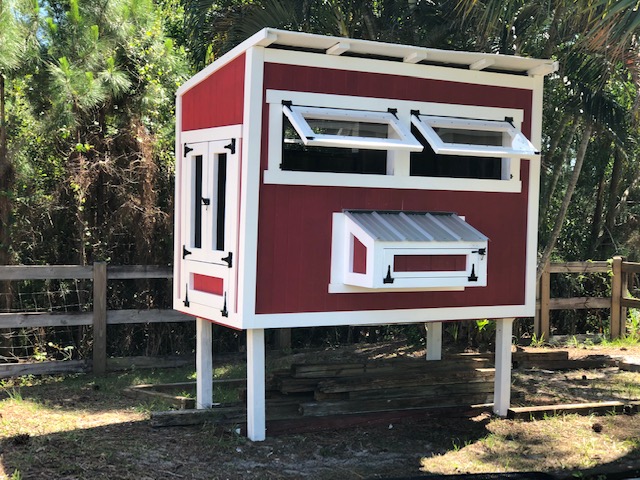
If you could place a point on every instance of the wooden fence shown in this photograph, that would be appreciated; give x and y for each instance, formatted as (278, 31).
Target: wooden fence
(99, 318)
(620, 272)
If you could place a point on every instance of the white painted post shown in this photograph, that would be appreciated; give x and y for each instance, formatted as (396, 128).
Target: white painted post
(204, 364)
(256, 408)
(502, 386)
(434, 341)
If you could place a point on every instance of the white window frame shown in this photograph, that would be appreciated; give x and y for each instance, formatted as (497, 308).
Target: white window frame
(515, 144)
(400, 137)
(398, 161)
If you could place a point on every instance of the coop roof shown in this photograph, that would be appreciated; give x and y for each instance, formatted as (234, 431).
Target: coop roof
(273, 38)
(396, 226)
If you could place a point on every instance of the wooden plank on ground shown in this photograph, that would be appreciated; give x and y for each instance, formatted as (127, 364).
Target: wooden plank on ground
(390, 404)
(218, 413)
(542, 355)
(148, 392)
(402, 379)
(629, 366)
(354, 369)
(42, 368)
(126, 363)
(425, 391)
(41, 319)
(541, 411)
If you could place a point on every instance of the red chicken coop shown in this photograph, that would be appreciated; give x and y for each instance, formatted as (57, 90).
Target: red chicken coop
(326, 181)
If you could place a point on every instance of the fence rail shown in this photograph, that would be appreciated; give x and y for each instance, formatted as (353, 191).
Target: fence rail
(99, 318)
(100, 273)
(620, 271)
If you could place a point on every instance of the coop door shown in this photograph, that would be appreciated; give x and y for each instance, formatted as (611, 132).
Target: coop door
(210, 197)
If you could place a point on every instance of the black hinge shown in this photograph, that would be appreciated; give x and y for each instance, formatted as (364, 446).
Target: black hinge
(228, 259)
(187, 149)
(185, 252)
(206, 201)
(232, 146)
(186, 295)
(481, 251)
(224, 311)
(509, 120)
(393, 111)
(388, 278)
(473, 277)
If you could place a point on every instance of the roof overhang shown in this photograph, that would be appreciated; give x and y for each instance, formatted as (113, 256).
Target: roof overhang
(328, 45)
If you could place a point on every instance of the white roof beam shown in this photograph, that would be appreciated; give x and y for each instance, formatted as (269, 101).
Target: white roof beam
(482, 64)
(338, 49)
(544, 69)
(415, 57)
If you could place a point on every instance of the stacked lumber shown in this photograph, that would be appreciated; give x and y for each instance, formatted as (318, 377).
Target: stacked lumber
(378, 386)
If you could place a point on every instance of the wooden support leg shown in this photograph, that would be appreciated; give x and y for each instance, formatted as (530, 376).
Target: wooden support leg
(204, 364)
(502, 386)
(256, 409)
(434, 341)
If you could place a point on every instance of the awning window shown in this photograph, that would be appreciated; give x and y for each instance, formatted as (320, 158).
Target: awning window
(473, 137)
(332, 127)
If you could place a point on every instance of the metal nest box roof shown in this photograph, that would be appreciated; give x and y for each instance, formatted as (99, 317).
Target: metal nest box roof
(398, 226)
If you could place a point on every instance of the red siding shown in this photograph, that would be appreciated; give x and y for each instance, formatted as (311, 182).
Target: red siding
(429, 263)
(342, 82)
(294, 231)
(216, 101)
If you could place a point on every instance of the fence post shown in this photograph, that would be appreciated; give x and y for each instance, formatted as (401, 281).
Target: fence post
(544, 322)
(99, 318)
(617, 286)
(283, 339)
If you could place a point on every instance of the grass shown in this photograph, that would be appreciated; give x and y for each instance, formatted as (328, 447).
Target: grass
(555, 443)
(81, 426)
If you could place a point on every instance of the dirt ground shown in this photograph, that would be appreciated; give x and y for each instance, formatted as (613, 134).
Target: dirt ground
(83, 427)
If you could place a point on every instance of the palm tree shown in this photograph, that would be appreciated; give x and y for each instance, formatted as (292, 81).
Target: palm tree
(586, 91)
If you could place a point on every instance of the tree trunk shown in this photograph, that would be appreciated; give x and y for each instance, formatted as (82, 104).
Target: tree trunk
(598, 211)
(557, 171)
(6, 208)
(562, 213)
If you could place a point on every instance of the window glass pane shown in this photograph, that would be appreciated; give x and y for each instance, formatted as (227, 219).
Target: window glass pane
(298, 157)
(470, 137)
(221, 201)
(429, 164)
(197, 202)
(347, 128)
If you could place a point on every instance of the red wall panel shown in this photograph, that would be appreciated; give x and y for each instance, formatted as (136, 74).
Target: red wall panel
(216, 101)
(294, 230)
(429, 263)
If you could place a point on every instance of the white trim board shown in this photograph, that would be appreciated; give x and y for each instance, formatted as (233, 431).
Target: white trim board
(385, 317)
